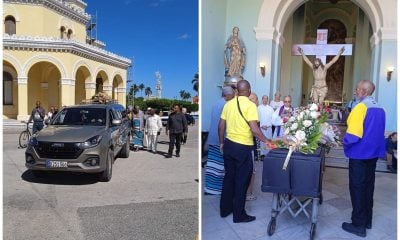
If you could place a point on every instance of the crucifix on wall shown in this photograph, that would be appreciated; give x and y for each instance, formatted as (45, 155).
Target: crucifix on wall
(321, 49)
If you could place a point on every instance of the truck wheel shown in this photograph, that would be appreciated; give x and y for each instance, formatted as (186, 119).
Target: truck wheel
(106, 175)
(124, 153)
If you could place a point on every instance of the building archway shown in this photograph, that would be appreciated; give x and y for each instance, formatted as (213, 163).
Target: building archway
(82, 76)
(10, 90)
(117, 85)
(44, 85)
(101, 80)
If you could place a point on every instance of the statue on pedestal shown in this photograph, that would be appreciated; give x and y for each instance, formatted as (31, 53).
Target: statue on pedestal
(235, 58)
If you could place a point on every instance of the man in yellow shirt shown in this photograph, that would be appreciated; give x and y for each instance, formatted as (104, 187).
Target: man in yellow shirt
(239, 118)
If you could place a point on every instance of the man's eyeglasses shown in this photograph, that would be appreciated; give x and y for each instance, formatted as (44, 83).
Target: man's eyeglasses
(287, 101)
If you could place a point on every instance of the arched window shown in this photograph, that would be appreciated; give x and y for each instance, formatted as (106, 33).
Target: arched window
(62, 32)
(7, 88)
(69, 33)
(9, 25)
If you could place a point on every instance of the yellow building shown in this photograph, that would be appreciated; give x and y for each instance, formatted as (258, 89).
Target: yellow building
(49, 56)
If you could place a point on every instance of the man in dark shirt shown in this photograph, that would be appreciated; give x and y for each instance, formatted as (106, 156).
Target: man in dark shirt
(37, 116)
(176, 125)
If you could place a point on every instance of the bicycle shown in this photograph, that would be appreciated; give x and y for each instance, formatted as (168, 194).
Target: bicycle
(24, 137)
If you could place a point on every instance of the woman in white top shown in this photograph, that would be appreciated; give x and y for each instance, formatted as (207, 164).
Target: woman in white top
(275, 104)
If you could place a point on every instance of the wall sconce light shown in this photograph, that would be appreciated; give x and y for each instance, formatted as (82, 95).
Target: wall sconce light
(389, 72)
(262, 69)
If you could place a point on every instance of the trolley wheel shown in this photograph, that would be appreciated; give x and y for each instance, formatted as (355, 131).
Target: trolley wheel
(312, 231)
(271, 226)
(24, 139)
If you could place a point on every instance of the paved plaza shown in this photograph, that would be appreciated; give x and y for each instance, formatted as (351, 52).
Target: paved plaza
(148, 197)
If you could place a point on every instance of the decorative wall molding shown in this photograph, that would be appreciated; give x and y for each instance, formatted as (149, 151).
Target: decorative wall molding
(52, 44)
(90, 85)
(59, 6)
(121, 90)
(43, 57)
(107, 88)
(22, 80)
(68, 81)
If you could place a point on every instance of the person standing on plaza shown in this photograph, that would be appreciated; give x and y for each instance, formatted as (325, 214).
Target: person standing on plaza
(214, 172)
(175, 126)
(37, 115)
(190, 122)
(152, 128)
(239, 118)
(363, 144)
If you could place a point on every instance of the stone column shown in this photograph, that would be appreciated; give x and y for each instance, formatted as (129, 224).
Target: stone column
(67, 92)
(107, 89)
(90, 89)
(23, 111)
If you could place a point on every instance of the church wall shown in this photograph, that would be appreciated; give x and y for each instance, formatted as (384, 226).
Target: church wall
(213, 13)
(47, 22)
(246, 19)
(386, 91)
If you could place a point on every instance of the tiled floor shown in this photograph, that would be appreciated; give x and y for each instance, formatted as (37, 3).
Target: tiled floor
(335, 209)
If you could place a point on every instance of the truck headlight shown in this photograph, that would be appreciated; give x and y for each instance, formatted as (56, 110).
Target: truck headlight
(91, 142)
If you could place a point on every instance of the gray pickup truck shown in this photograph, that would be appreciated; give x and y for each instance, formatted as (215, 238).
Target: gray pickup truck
(83, 138)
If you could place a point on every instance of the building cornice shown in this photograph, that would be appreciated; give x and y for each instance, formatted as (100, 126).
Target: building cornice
(58, 6)
(50, 44)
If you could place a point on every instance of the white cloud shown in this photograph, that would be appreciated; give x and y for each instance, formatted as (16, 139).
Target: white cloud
(184, 36)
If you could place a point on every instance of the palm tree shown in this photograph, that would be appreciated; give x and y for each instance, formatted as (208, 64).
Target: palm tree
(133, 90)
(148, 92)
(182, 93)
(141, 87)
(187, 96)
(195, 82)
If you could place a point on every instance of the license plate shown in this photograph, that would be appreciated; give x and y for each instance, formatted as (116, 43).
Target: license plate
(56, 164)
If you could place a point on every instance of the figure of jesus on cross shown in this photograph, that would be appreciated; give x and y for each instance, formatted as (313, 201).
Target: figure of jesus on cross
(321, 50)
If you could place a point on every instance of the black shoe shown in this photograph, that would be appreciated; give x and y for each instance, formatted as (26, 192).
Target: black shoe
(168, 156)
(368, 226)
(246, 218)
(391, 169)
(177, 155)
(225, 214)
(359, 231)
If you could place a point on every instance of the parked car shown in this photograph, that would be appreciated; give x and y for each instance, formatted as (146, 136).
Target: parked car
(164, 117)
(83, 138)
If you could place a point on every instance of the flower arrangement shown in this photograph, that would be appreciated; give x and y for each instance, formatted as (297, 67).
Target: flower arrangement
(305, 130)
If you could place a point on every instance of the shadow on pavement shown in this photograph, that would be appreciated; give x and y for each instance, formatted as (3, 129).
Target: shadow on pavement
(60, 178)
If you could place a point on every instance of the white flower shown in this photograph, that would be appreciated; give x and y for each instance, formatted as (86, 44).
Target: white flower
(313, 107)
(301, 115)
(294, 126)
(307, 111)
(314, 114)
(300, 135)
(307, 123)
(287, 131)
(292, 119)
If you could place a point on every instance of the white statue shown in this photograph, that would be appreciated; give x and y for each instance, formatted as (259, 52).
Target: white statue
(319, 89)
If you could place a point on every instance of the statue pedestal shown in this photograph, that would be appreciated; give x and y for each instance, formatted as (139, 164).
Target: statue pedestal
(232, 81)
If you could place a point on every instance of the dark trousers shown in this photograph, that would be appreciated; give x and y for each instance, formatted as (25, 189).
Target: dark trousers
(37, 126)
(238, 169)
(174, 139)
(361, 184)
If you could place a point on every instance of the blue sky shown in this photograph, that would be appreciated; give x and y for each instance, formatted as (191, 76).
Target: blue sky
(159, 35)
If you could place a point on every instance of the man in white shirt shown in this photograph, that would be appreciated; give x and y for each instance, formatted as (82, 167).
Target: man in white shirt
(265, 113)
(153, 126)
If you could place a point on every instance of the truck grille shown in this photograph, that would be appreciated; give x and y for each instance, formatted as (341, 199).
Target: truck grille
(58, 150)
